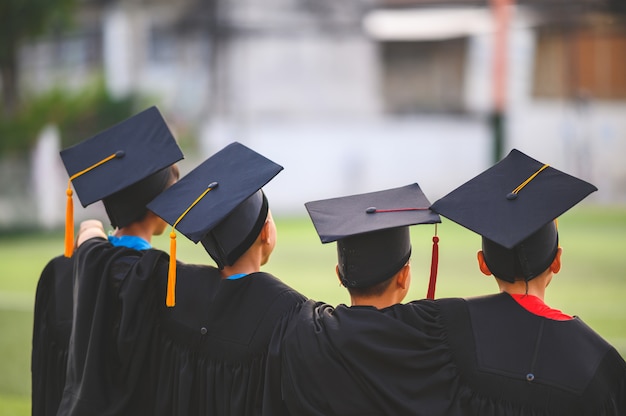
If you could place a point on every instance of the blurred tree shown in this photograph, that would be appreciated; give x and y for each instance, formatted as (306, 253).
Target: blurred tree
(21, 20)
(78, 115)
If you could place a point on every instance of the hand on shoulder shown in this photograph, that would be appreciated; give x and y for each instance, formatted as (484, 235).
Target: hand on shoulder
(90, 229)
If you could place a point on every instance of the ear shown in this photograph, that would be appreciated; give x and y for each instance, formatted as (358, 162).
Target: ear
(482, 264)
(403, 276)
(338, 277)
(265, 232)
(555, 267)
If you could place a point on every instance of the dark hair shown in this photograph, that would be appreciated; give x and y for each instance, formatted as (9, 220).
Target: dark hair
(376, 289)
(526, 260)
(129, 205)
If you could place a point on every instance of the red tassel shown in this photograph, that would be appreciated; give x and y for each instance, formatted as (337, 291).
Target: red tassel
(434, 265)
(171, 276)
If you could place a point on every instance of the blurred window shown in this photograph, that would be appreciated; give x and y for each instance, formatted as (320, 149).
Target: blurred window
(163, 42)
(425, 76)
(573, 62)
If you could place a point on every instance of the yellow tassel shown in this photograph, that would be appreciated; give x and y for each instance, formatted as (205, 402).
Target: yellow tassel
(69, 223)
(171, 276)
(170, 299)
(530, 178)
(69, 208)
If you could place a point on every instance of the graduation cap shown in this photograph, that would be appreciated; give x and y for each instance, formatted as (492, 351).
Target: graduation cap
(513, 205)
(220, 203)
(124, 166)
(371, 230)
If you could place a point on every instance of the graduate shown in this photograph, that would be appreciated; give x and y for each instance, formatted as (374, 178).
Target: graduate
(212, 325)
(515, 354)
(356, 360)
(115, 167)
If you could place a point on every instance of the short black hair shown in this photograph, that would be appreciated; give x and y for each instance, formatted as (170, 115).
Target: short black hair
(376, 289)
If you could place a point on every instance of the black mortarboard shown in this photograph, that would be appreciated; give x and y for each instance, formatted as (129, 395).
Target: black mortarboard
(220, 203)
(513, 205)
(124, 166)
(371, 231)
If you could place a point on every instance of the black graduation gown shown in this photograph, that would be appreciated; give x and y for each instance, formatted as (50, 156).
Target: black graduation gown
(214, 342)
(114, 299)
(52, 325)
(131, 355)
(444, 358)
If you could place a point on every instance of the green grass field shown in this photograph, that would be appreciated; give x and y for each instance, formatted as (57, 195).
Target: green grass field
(592, 282)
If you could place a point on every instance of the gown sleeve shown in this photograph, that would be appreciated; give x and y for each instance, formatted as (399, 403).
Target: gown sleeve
(51, 332)
(108, 368)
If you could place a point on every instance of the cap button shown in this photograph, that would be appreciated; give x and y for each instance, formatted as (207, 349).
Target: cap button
(530, 377)
(511, 196)
(203, 331)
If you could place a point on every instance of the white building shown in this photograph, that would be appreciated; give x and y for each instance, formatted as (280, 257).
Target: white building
(354, 96)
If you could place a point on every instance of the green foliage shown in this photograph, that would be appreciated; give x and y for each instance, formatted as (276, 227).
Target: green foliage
(78, 115)
(24, 19)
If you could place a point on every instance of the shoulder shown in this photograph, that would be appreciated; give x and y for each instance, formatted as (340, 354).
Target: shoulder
(58, 266)
(271, 287)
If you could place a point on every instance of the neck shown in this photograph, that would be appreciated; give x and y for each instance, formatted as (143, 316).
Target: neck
(142, 229)
(246, 264)
(536, 286)
(379, 302)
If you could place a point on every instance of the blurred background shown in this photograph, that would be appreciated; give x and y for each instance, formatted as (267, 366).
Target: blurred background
(349, 96)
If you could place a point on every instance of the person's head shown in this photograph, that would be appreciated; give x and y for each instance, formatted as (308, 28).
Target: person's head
(220, 204)
(520, 285)
(513, 206)
(526, 260)
(373, 239)
(125, 166)
(238, 231)
(129, 205)
(382, 294)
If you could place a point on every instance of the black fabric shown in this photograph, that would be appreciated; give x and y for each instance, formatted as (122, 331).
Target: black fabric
(108, 370)
(133, 356)
(361, 361)
(52, 325)
(441, 358)
(511, 358)
(214, 343)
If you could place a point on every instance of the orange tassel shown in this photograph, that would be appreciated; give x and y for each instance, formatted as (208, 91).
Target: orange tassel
(171, 276)
(434, 265)
(69, 223)
(170, 299)
(69, 208)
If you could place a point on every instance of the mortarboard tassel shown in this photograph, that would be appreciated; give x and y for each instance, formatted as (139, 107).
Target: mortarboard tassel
(170, 299)
(434, 265)
(513, 194)
(69, 221)
(69, 206)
